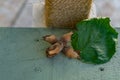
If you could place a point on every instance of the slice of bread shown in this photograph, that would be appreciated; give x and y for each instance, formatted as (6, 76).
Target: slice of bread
(66, 13)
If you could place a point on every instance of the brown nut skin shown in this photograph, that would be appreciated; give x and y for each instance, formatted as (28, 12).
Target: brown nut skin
(67, 37)
(54, 49)
(70, 53)
(60, 45)
(50, 38)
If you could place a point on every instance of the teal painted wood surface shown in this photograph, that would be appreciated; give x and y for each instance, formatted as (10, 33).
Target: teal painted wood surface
(22, 57)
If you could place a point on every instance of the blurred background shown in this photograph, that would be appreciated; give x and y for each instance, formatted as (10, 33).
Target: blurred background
(18, 13)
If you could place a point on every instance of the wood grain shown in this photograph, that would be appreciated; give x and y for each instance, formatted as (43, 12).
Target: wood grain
(22, 57)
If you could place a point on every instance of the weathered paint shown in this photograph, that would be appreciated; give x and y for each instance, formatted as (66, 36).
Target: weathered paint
(22, 57)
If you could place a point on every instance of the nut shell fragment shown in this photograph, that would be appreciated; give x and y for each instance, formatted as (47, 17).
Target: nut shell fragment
(54, 49)
(50, 38)
(70, 53)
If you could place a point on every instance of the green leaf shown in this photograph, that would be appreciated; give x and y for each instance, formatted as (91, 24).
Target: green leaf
(95, 39)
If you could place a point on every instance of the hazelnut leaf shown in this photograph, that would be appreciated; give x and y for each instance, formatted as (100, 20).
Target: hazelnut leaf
(95, 39)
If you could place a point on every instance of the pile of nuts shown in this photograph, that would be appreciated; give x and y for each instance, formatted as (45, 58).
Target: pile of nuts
(60, 45)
